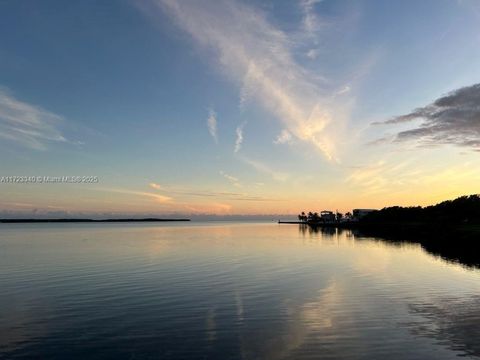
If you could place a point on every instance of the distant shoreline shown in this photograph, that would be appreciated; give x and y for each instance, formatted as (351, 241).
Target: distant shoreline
(22, 221)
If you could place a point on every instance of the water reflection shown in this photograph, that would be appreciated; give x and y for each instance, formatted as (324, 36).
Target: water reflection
(451, 321)
(231, 291)
(464, 253)
(327, 232)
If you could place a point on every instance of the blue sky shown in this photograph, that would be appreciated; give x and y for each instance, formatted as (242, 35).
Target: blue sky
(234, 107)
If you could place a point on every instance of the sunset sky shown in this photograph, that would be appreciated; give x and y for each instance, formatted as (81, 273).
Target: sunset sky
(238, 107)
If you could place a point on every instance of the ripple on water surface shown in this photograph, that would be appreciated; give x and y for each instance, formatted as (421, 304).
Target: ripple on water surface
(228, 291)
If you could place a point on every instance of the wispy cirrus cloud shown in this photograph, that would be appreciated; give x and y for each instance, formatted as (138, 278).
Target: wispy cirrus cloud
(388, 178)
(239, 139)
(27, 124)
(259, 58)
(311, 22)
(162, 199)
(453, 119)
(212, 124)
(311, 25)
(312, 54)
(233, 180)
(226, 195)
(266, 169)
(283, 138)
(379, 177)
(155, 186)
(180, 192)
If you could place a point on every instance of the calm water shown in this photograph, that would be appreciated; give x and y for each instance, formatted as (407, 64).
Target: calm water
(228, 291)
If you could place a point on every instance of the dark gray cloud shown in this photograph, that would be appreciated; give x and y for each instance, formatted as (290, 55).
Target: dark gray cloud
(452, 119)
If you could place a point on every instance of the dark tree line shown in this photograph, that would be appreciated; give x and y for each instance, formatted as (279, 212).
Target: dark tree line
(462, 209)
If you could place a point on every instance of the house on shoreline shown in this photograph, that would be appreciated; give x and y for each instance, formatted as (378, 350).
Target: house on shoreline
(327, 216)
(360, 213)
(330, 217)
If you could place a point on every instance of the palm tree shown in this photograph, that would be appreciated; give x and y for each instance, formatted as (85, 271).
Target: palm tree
(302, 217)
(310, 216)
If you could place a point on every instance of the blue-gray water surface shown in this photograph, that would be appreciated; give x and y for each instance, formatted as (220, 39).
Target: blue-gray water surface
(228, 291)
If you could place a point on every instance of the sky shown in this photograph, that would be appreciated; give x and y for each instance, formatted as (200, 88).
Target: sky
(164, 107)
